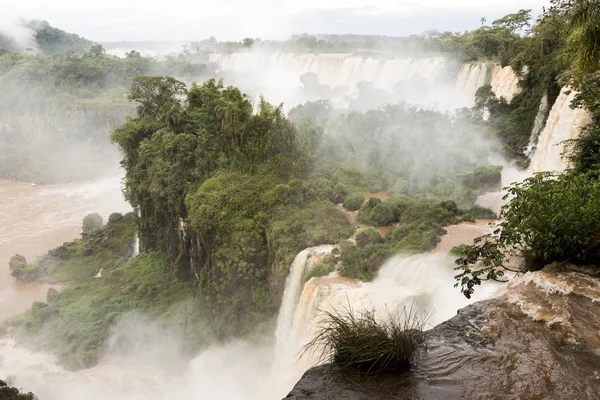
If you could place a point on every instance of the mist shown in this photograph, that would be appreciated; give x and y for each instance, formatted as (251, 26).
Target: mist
(393, 114)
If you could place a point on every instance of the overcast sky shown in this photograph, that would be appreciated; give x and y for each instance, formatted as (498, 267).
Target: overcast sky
(115, 20)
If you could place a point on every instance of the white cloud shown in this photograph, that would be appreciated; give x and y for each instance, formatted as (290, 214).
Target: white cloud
(234, 19)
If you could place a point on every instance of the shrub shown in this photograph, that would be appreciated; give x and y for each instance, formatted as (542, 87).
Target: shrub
(366, 208)
(353, 264)
(325, 268)
(459, 251)
(52, 295)
(416, 237)
(480, 212)
(340, 191)
(375, 212)
(11, 393)
(382, 215)
(487, 177)
(354, 201)
(450, 206)
(467, 218)
(368, 236)
(369, 343)
(550, 218)
(17, 262)
(91, 223)
(115, 217)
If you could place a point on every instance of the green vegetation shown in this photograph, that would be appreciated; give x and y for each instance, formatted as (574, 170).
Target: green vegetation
(11, 393)
(92, 223)
(76, 324)
(323, 269)
(368, 342)
(78, 261)
(47, 39)
(367, 236)
(551, 217)
(480, 212)
(59, 106)
(227, 193)
(354, 201)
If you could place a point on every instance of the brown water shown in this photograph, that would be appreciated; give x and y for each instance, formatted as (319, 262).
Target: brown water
(36, 219)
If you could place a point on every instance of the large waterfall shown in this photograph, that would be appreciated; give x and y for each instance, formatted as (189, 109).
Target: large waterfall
(422, 281)
(334, 69)
(563, 123)
(504, 81)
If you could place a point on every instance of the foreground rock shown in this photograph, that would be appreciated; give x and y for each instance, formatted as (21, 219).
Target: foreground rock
(540, 339)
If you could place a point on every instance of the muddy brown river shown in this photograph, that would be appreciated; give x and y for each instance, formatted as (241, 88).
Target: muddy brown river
(35, 219)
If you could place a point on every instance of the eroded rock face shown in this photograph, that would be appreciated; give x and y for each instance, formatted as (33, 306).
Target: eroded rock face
(539, 339)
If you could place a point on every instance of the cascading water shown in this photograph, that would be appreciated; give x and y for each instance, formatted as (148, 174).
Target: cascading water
(422, 282)
(277, 75)
(286, 348)
(563, 123)
(504, 81)
(291, 294)
(334, 69)
(136, 245)
(538, 125)
(471, 78)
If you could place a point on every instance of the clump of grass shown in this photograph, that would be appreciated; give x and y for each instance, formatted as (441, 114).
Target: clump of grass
(364, 341)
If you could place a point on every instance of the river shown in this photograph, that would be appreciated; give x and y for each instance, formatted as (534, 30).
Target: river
(36, 219)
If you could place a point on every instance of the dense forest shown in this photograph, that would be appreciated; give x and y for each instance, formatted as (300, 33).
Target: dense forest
(227, 192)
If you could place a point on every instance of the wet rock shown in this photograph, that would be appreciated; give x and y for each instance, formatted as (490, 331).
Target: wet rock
(539, 340)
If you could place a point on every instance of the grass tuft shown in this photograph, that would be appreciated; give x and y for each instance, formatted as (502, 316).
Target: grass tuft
(364, 341)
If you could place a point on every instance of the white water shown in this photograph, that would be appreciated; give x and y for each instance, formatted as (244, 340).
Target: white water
(538, 125)
(471, 78)
(136, 245)
(563, 123)
(504, 81)
(334, 69)
(423, 282)
(286, 349)
(277, 75)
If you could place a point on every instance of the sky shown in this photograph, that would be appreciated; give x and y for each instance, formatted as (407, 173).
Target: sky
(135, 20)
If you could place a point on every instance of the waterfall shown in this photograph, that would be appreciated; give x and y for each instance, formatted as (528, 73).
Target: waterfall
(504, 81)
(563, 123)
(333, 69)
(136, 245)
(291, 294)
(286, 346)
(277, 77)
(538, 125)
(471, 78)
(422, 281)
